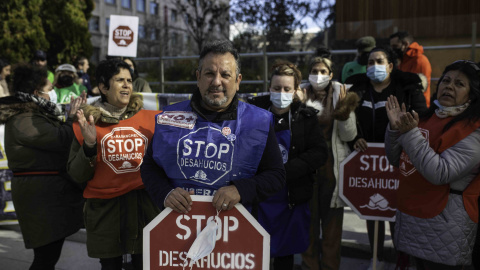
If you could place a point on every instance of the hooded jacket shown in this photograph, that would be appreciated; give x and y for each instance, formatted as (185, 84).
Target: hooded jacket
(416, 62)
(49, 205)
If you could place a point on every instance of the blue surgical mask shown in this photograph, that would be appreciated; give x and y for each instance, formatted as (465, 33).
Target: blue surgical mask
(377, 73)
(281, 100)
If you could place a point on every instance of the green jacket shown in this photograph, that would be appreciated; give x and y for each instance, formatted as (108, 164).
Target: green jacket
(114, 226)
(48, 207)
(74, 90)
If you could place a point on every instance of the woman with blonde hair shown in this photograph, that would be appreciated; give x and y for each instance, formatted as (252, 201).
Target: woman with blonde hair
(286, 215)
(336, 116)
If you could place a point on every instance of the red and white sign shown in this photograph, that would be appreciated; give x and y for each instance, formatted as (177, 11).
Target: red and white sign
(123, 149)
(369, 184)
(242, 243)
(123, 36)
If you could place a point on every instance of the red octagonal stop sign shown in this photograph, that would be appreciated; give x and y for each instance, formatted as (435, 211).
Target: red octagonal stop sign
(122, 36)
(368, 183)
(241, 243)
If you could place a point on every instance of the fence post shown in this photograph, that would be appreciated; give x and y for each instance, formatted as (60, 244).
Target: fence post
(474, 39)
(265, 66)
(162, 79)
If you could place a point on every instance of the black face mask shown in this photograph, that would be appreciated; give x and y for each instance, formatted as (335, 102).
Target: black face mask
(7, 78)
(65, 80)
(363, 59)
(399, 53)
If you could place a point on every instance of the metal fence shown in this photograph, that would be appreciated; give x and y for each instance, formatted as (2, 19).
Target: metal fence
(264, 55)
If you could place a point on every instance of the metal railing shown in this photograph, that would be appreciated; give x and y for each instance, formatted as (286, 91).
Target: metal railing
(265, 56)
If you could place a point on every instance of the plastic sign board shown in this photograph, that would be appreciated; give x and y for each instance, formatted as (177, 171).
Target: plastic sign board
(242, 243)
(369, 184)
(123, 36)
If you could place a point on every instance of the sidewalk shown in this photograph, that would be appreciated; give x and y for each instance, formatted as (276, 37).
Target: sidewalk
(355, 249)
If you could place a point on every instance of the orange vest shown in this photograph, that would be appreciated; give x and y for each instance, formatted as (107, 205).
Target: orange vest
(120, 151)
(418, 197)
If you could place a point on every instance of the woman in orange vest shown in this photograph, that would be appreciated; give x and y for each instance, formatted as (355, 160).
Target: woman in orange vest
(439, 160)
(111, 138)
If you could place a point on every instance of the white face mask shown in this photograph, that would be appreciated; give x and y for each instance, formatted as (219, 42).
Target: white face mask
(203, 244)
(319, 82)
(281, 100)
(53, 96)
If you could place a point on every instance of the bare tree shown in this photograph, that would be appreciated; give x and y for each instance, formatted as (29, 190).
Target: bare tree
(205, 19)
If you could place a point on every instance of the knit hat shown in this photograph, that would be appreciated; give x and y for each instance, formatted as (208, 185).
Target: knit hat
(66, 67)
(365, 44)
(40, 55)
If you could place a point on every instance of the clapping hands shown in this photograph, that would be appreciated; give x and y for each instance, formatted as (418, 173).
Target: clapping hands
(399, 118)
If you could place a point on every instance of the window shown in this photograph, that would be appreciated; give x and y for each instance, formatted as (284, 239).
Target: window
(96, 55)
(111, 2)
(141, 5)
(107, 24)
(141, 31)
(153, 8)
(153, 34)
(127, 4)
(187, 19)
(94, 24)
(173, 17)
(174, 39)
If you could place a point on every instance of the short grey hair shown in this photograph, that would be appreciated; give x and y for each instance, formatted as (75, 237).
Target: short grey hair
(219, 47)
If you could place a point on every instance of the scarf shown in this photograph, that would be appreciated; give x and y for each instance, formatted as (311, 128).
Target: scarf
(109, 110)
(46, 105)
(444, 112)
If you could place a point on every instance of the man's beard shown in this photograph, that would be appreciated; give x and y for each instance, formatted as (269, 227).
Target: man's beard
(215, 102)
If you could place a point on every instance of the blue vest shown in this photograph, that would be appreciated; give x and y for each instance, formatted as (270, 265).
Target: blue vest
(203, 156)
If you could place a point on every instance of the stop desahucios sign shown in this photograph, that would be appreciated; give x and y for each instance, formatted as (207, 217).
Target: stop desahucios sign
(123, 36)
(368, 183)
(242, 243)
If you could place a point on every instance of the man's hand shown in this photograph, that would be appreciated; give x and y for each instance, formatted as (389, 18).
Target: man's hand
(226, 198)
(179, 200)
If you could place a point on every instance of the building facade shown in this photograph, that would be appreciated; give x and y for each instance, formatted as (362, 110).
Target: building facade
(163, 27)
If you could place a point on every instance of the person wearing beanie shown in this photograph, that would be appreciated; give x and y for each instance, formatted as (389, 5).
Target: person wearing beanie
(40, 59)
(359, 65)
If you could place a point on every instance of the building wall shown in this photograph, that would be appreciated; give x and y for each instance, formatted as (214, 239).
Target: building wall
(431, 22)
(423, 19)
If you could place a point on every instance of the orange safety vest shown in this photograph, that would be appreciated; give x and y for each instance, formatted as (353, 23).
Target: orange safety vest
(120, 151)
(417, 196)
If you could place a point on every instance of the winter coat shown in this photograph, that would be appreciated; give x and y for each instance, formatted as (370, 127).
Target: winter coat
(114, 226)
(416, 62)
(308, 150)
(48, 206)
(141, 85)
(371, 124)
(344, 130)
(447, 238)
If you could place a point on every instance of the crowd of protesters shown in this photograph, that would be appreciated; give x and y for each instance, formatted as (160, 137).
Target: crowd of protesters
(286, 162)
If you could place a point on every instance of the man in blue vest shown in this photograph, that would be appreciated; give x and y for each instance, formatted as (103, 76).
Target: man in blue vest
(213, 144)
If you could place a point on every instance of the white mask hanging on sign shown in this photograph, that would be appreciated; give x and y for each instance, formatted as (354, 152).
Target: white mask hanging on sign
(204, 243)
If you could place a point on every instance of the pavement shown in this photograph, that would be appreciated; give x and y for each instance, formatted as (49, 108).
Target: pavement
(355, 249)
